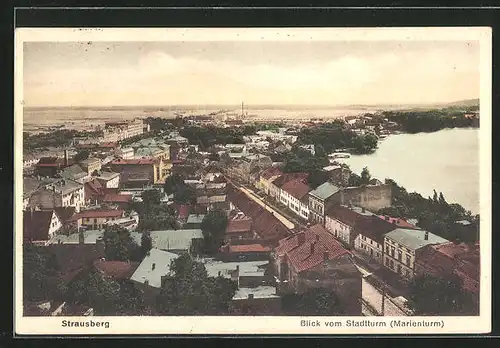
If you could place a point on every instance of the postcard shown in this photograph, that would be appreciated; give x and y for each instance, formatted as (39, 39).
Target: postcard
(252, 181)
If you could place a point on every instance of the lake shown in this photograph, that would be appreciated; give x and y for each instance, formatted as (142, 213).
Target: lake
(446, 161)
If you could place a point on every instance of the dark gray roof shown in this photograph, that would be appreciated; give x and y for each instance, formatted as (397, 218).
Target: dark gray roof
(414, 239)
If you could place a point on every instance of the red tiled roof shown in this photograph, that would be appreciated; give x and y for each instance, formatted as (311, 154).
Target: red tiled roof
(98, 214)
(116, 269)
(36, 224)
(398, 222)
(296, 188)
(434, 262)
(265, 224)
(311, 252)
(117, 198)
(238, 226)
(248, 248)
(133, 162)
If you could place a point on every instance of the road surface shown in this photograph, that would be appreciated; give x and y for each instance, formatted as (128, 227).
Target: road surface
(373, 296)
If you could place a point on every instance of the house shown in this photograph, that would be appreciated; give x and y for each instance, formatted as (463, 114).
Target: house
(121, 201)
(74, 258)
(401, 249)
(125, 153)
(239, 228)
(109, 179)
(82, 237)
(267, 177)
(370, 232)
(194, 221)
(294, 195)
(320, 200)
(177, 241)
(140, 172)
(61, 193)
(148, 276)
(91, 165)
(183, 212)
(245, 252)
(31, 185)
(29, 160)
(314, 258)
(94, 192)
(341, 220)
(462, 260)
(245, 274)
(40, 225)
(75, 173)
(50, 166)
(96, 219)
(265, 225)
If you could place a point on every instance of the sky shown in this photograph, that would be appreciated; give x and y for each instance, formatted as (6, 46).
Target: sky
(227, 73)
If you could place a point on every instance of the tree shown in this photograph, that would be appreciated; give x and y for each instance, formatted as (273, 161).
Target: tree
(188, 290)
(317, 178)
(81, 156)
(146, 243)
(118, 244)
(151, 197)
(97, 291)
(158, 217)
(41, 277)
(365, 176)
(213, 227)
(185, 195)
(172, 183)
(431, 295)
(315, 301)
(354, 180)
(319, 151)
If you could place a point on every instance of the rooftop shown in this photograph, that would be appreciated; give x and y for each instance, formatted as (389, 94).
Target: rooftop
(74, 172)
(195, 218)
(104, 175)
(90, 237)
(257, 292)
(116, 269)
(36, 224)
(226, 269)
(414, 239)
(175, 239)
(248, 248)
(239, 225)
(324, 191)
(310, 247)
(133, 162)
(296, 188)
(98, 214)
(117, 198)
(153, 267)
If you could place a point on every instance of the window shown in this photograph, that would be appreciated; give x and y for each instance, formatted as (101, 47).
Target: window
(408, 258)
(387, 249)
(392, 252)
(400, 255)
(387, 262)
(95, 221)
(399, 269)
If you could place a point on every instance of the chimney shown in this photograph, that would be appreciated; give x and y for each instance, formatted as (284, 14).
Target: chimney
(250, 296)
(66, 154)
(312, 247)
(317, 237)
(426, 235)
(326, 256)
(363, 210)
(153, 266)
(238, 269)
(301, 238)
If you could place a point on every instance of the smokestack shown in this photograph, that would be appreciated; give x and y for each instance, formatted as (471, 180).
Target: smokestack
(66, 154)
(426, 236)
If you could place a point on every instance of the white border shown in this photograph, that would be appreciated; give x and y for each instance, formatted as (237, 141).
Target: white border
(260, 325)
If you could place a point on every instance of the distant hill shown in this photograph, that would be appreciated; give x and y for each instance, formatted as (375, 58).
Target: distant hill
(466, 102)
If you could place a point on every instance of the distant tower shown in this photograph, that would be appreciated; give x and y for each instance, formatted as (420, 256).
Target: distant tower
(242, 113)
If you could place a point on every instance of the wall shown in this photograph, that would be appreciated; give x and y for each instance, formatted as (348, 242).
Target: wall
(55, 224)
(340, 230)
(46, 199)
(365, 246)
(369, 197)
(127, 170)
(407, 270)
